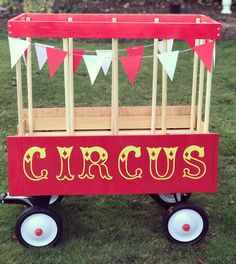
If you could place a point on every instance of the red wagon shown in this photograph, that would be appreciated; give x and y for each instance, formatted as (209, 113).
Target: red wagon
(166, 151)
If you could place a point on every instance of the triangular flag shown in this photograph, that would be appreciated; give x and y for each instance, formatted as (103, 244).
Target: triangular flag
(55, 58)
(41, 54)
(205, 52)
(170, 43)
(93, 64)
(169, 61)
(131, 65)
(191, 43)
(17, 48)
(107, 56)
(135, 51)
(77, 57)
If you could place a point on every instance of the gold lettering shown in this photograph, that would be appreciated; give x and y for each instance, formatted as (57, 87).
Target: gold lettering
(65, 173)
(28, 160)
(123, 162)
(153, 162)
(89, 161)
(199, 165)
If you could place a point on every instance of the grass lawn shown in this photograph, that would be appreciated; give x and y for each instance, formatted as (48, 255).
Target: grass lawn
(126, 229)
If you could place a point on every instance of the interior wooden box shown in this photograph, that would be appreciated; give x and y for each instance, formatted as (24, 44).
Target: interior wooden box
(99, 118)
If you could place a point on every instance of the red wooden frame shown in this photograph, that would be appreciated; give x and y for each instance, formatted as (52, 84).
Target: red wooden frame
(101, 26)
(75, 165)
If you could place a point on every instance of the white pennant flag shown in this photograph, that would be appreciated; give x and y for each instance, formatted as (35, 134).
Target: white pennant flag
(17, 48)
(169, 61)
(93, 64)
(170, 43)
(41, 54)
(107, 56)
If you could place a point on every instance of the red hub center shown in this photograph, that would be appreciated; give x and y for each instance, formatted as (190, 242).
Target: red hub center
(186, 227)
(38, 232)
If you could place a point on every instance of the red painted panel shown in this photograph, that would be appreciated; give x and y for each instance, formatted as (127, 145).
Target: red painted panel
(100, 26)
(74, 165)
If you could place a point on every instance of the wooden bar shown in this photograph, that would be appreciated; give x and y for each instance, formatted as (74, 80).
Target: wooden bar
(154, 83)
(200, 93)
(99, 118)
(115, 92)
(71, 82)
(66, 84)
(103, 123)
(19, 98)
(164, 93)
(29, 85)
(208, 101)
(194, 86)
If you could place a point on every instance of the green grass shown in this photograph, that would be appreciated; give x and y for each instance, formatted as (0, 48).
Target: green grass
(126, 229)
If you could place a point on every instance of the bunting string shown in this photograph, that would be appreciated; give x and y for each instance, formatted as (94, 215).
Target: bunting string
(97, 59)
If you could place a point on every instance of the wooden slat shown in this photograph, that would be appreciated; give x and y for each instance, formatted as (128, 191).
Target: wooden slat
(164, 93)
(71, 81)
(102, 123)
(106, 111)
(200, 92)
(115, 91)
(154, 82)
(108, 132)
(194, 86)
(29, 84)
(19, 98)
(66, 84)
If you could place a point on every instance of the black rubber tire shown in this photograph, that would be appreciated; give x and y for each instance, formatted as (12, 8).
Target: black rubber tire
(165, 204)
(172, 210)
(38, 210)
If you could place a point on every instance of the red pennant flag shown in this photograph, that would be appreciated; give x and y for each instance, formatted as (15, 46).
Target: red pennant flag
(55, 58)
(77, 57)
(191, 43)
(131, 65)
(135, 51)
(205, 52)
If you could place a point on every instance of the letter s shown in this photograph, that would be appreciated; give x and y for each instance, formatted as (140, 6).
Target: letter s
(199, 165)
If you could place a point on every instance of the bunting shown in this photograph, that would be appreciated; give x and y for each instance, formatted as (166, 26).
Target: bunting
(170, 43)
(169, 61)
(135, 51)
(41, 54)
(55, 58)
(107, 55)
(191, 43)
(93, 64)
(131, 65)
(77, 57)
(205, 52)
(17, 48)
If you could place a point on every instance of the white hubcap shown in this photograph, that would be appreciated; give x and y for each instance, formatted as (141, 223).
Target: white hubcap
(185, 225)
(39, 230)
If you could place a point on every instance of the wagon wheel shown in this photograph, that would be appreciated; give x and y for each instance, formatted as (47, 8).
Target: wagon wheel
(185, 224)
(168, 199)
(38, 227)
